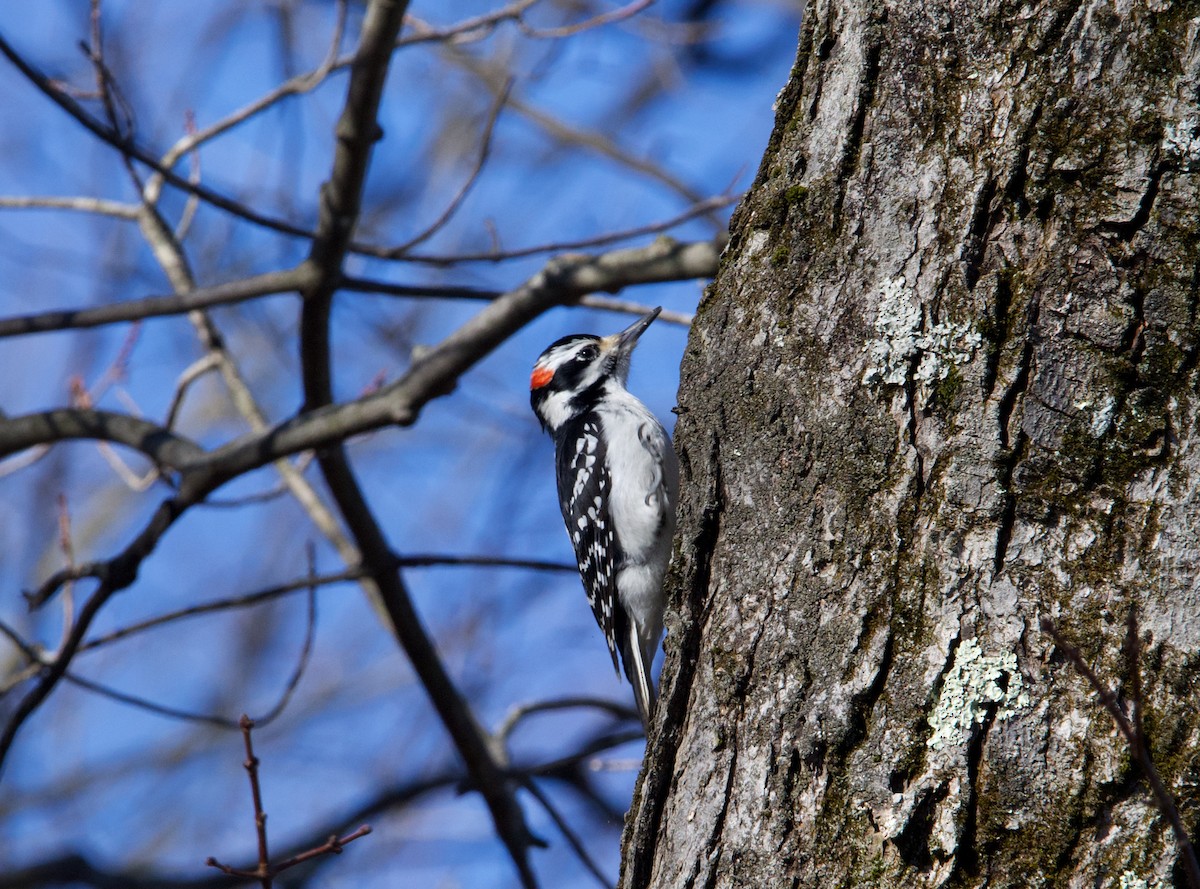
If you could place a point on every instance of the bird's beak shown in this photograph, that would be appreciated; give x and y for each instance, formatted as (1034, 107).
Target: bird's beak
(624, 341)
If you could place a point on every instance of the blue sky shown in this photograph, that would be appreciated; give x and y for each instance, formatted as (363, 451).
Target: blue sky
(474, 476)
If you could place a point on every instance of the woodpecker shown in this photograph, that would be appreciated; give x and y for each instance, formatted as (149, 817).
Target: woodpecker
(618, 480)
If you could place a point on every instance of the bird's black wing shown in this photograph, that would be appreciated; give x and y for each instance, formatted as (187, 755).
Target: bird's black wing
(584, 492)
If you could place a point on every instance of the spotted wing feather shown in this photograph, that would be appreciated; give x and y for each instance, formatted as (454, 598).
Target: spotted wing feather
(585, 490)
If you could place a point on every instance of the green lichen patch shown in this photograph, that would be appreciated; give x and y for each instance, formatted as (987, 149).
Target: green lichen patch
(975, 684)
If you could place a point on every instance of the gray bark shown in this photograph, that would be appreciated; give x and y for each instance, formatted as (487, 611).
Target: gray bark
(942, 388)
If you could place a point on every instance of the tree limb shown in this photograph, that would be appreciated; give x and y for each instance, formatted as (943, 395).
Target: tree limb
(155, 306)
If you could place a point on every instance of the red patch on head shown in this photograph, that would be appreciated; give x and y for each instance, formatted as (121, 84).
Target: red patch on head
(540, 377)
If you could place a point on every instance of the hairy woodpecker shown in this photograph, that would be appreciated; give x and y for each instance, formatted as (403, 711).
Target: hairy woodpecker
(617, 484)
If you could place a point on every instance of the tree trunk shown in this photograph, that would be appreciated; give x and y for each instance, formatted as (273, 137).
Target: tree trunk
(942, 389)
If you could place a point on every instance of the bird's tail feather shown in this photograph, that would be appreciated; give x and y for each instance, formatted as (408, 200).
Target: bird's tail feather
(643, 685)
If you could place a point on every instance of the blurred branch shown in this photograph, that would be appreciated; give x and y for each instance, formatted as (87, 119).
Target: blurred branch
(298, 85)
(396, 797)
(76, 572)
(563, 280)
(1134, 736)
(162, 447)
(362, 285)
(169, 253)
(569, 835)
(485, 149)
(113, 575)
(78, 204)
(701, 265)
(76, 870)
(155, 306)
(702, 208)
(466, 31)
(632, 308)
(565, 133)
(131, 150)
(520, 713)
(341, 197)
(38, 660)
(310, 633)
(606, 18)
(429, 561)
(257, 598)
(435, 374)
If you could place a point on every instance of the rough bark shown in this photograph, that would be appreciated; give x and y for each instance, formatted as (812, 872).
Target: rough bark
(943, 387)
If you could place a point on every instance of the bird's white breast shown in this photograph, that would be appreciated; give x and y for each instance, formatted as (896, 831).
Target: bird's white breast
(645, 476)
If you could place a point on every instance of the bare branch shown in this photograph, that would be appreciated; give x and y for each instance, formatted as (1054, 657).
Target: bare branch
(631, 308)
(246, 601)
(702, 208)
(266, 872)
(332, 846)
(466, 31)
(485, 149)
(431, 561)
(298, 85)
(155, 306)
(260, 816)
(361, 285)
(310, 632)
(74, 868)
(520, 713)
(163, 447)
(78, 204)
(607, 18)
(592, 140)
(569, 835)
(130, 149)
(341, 197)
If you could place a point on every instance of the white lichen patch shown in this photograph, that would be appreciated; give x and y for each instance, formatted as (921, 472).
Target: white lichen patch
(974, 682)
(1182, 139)
(1102, 418)
(757, 243)
(900, 339)
(1130, 880)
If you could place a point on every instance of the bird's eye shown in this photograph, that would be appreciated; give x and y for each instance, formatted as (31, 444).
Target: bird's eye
(586, 354)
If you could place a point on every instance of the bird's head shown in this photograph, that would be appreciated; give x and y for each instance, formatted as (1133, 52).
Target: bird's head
(577, 370)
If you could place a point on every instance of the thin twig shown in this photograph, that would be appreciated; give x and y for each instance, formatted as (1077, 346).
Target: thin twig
(333, 846)
(131, 150)
(298, 85)
(568, 834)
(466, 31)
(260, 816)
(604, 18)
(257, 598)
(485, 150)
(629, 307)
(310, 632)
(700, 208)
(522, 712)
(67, 546)
(193, 202)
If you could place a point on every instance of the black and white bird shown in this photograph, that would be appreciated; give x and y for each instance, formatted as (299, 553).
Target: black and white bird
(617, 484)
